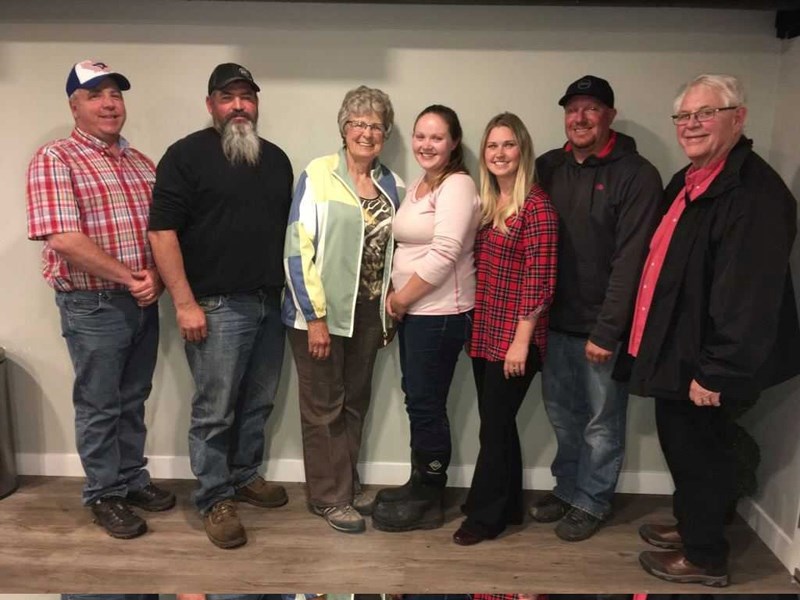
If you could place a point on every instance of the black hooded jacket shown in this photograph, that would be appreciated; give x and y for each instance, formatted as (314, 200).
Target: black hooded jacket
(608, 208)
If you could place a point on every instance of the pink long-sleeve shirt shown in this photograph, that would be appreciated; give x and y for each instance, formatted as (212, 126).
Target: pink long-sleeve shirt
(435, 235)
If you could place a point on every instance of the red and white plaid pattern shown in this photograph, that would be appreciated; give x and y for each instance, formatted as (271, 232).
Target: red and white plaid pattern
(516, 277)
(77, 185)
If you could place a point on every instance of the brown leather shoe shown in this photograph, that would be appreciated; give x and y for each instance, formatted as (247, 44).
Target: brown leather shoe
(223, 527)
(262, 493)
(673, 566)
(662, 536)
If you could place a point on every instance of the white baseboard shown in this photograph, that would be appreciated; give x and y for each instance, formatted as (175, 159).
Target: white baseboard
(768, 531)
(376, 473)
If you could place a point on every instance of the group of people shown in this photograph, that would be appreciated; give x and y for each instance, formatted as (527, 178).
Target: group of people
(576, 264)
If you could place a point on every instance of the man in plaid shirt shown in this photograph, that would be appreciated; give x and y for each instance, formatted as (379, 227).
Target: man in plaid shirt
(88, 198)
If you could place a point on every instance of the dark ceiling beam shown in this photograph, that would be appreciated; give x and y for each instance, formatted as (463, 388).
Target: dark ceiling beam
(783, 5)
(787, 24)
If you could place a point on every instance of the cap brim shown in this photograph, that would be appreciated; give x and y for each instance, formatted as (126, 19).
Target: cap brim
(566, 97)
(121, 81)
(227, 82)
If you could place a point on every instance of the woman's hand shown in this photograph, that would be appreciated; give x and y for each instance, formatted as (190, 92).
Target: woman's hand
(319, 340)
(516, 357)
(398, 309)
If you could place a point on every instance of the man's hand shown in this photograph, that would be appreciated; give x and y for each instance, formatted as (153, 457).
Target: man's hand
(701, 396)
(191, 322)
(146, 286)
(596, 354)
(319, 340)
(191, 596)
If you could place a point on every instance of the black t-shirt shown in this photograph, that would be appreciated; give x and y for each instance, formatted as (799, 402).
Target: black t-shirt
(230, 219)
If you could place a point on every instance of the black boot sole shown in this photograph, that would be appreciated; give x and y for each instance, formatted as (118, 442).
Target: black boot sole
(429, 523)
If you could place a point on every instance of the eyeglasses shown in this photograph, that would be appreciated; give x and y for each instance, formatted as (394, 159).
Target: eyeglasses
(702, 115)
(377, 128)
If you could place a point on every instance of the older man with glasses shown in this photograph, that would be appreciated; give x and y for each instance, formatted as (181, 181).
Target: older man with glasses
(715, 322)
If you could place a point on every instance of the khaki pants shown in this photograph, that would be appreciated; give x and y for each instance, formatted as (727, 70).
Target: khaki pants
(334, 399)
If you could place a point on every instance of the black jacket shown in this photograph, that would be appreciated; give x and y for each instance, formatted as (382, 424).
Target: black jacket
(723, 310)
(608, 208)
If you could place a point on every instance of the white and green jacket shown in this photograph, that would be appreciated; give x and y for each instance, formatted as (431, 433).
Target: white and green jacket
(324, 242)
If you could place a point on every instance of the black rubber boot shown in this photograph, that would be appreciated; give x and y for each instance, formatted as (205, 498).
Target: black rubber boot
(418, 503)
(394, 494)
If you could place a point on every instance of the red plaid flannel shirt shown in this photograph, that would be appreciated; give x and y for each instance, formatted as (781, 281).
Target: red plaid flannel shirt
(516, 277)
(76, 184)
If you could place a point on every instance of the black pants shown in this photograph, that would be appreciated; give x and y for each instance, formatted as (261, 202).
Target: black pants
(700, 447)
(495, 497)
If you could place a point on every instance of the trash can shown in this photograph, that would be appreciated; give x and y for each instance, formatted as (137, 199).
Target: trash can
(8, 466)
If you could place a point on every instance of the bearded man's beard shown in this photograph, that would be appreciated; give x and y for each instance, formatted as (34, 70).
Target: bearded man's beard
(240, 143)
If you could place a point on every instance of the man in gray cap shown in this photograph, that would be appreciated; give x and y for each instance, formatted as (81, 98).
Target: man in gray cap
(88, 198)
(608, 198)
(220, 209)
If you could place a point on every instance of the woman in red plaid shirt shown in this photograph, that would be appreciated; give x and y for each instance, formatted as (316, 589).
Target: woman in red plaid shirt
(515, 257)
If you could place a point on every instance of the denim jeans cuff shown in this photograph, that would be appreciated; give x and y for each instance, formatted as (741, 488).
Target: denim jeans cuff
(237, 486)
(595, 512)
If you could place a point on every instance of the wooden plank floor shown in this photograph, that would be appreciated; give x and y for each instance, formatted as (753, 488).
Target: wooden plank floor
(49, 544)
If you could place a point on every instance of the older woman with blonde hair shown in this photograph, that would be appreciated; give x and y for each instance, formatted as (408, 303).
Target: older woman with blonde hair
(338, 257)
(515, 258)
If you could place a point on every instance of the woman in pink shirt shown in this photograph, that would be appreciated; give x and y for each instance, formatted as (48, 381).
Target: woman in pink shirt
(433, 274)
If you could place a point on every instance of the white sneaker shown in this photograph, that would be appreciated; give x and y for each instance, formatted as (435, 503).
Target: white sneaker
(341, 518)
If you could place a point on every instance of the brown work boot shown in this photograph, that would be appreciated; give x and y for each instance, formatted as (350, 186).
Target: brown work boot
(222, 525)
(662, 536)
(262, 493)
(675, 567)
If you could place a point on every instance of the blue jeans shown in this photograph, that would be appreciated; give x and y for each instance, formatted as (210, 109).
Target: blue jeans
(429, 349)
(113, 345)
(236, 371)
(588, 411)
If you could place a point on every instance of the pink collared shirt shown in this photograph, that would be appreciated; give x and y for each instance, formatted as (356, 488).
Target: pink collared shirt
(697, 182)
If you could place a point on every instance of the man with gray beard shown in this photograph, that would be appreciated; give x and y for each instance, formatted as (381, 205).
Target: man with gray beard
(219, 214)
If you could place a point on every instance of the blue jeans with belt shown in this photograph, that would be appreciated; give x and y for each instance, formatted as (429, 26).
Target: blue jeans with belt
(113, 345)
(588, 411)
(236, 370)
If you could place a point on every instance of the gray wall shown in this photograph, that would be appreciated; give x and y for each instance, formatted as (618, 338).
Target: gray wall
(775, 420)
(480, 60)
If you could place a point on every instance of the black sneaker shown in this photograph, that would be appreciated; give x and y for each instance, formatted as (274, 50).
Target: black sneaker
(549, 509)
(115, 516)
(151, 498)
(577, 525)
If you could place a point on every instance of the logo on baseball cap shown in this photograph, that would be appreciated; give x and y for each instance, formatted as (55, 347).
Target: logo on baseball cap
(227, 73)
(589, 85)
(90, 73)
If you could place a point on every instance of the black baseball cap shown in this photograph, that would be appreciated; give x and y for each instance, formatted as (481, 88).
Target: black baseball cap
(227, 73)
(589, 85)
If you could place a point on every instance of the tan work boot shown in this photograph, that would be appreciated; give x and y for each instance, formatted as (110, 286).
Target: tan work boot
(223, 527)
(341, 518)
(262, 493)
(364, 502)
